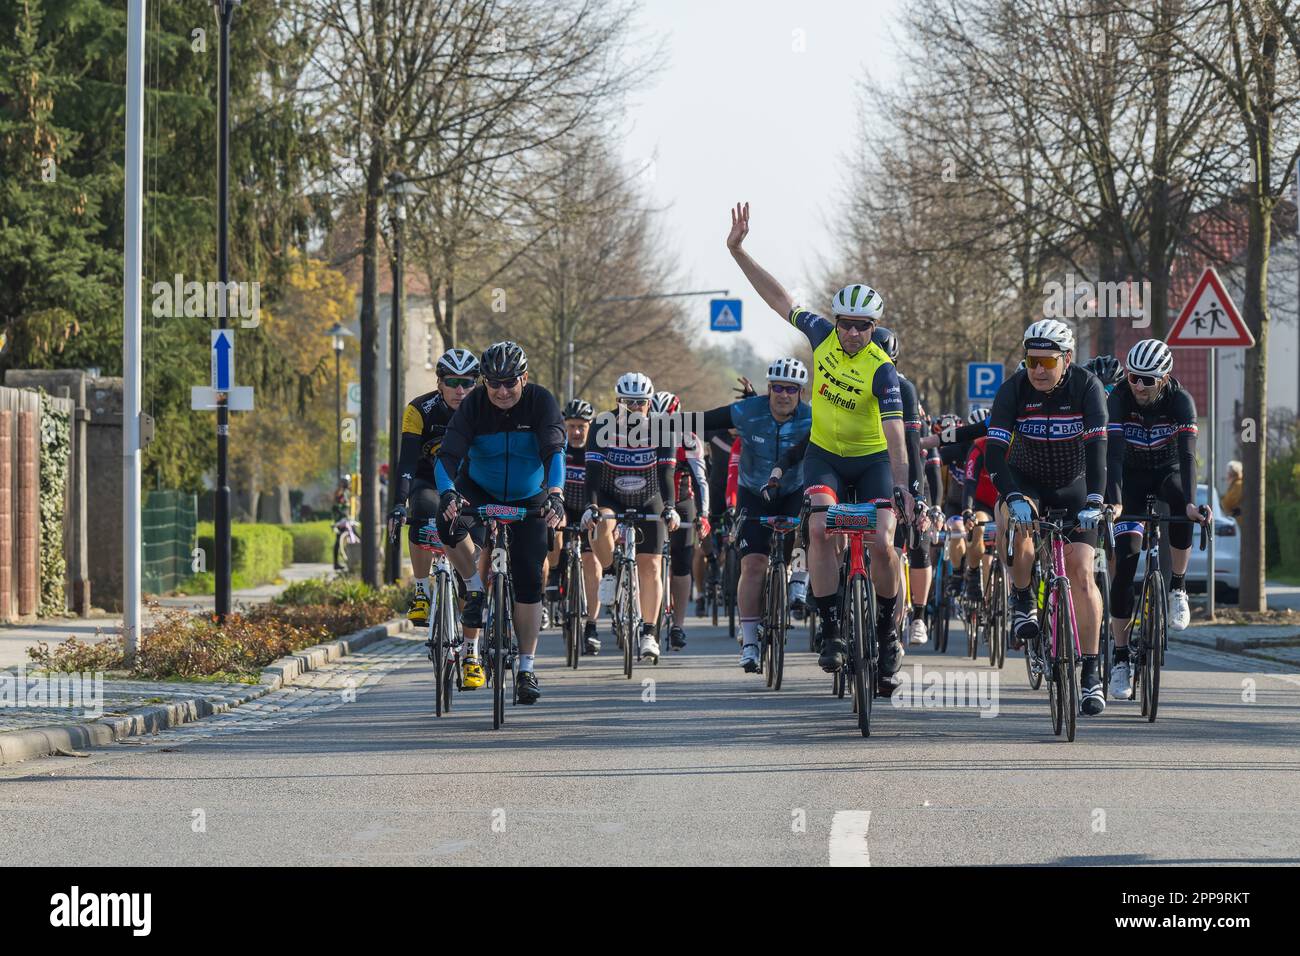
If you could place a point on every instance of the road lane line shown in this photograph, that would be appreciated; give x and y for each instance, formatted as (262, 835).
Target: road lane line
(848, 845)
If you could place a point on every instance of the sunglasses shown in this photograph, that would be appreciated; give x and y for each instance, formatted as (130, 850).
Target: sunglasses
(851, 325)
(634, 402)
(457, 382)
(1042, 361)
(783, 389)
(500, 383)
(1146, 381)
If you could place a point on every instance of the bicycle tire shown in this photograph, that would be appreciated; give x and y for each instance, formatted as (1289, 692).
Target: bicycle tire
(730, 586)
(864, 683)
(776, 627)
(624, 598)
(438, 650)
(1104, 635)
(1070, 662)
(1158, 630)
(499, 647)
(812, 627)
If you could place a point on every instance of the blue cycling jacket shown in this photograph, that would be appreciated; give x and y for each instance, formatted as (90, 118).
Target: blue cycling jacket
(512, 455)
(763, 439)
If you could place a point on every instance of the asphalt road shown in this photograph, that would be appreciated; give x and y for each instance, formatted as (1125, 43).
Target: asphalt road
(702, 766)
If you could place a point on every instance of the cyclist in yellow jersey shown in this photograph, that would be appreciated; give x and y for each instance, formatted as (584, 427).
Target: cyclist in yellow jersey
(857, 443)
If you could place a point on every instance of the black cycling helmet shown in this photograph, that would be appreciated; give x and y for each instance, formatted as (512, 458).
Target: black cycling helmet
(577, 408)
(1107, 368)
(503, 360)
(887, 340)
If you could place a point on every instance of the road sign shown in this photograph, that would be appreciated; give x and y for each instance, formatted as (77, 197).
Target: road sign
(1209, 319)
(724, 315)
(354, 398)
(238, 399)
(983, 379)
(223, 359)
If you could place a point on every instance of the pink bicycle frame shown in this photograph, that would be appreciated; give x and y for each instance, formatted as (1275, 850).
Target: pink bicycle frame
(1058, 571)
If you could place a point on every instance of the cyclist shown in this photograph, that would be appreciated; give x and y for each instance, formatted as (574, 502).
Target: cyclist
(952, 441)
(423, 424)
(978, 506)
(627, 470)
(509, 438)
(691, 497)
(1108, 369)
(857, 442)
(1056, 413)
(578, 415)
(1152, 451)
(769, 426)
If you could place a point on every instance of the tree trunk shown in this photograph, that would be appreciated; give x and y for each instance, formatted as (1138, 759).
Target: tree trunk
(369, 516)
(1255, 453)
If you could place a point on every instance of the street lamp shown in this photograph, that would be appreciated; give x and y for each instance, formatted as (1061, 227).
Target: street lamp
(398, 189)
(339, 335)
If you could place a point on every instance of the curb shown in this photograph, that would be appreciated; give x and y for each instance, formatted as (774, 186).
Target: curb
(44, 741)
(1250, 648)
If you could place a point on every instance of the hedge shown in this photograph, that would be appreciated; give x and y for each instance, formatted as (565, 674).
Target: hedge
(313, 541)
(1285, 516)
(257, 551)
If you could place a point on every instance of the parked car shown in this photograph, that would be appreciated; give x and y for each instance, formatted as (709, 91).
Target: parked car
(1227, 554)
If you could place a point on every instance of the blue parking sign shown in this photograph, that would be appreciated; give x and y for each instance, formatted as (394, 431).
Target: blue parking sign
(724, 315)
(983, 379)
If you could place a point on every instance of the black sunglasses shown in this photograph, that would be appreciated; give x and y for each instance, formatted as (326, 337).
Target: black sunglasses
(499, 383)
(783, 389)
(458, 382)
(850, 325)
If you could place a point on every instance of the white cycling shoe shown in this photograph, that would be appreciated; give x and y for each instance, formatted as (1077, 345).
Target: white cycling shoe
(1180, 614)
(649, 647)
(1121, 681)
(918, 634)
(749, 658)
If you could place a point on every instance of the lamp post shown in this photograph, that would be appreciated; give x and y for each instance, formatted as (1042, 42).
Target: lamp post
(339, 335)
(398, 189)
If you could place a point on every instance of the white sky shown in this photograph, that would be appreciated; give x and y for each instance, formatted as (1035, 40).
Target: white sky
(739, 114)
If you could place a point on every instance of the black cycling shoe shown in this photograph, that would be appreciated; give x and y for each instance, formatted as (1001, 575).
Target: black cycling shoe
(471, 615)
(676, 638)
(527, 690)
(835, 652)
(590, 643)
(699, 607)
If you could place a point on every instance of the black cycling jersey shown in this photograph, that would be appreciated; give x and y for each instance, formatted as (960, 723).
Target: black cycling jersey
(629, 463)
(423, 425)
(575, 480)
(1050, 438)
(912, 434)
(1151, 438)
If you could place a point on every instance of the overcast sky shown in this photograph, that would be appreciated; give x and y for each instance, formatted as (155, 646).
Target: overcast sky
(740, 112)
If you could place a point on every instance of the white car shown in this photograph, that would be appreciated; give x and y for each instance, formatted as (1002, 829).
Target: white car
(1227, 554)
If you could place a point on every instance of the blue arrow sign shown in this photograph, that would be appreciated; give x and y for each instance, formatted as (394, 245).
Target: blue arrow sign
(724, 315)
(223, 359)
(983, 379)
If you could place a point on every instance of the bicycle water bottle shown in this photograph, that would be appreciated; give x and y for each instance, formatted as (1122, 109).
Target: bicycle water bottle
(606, 592)
(798, 588)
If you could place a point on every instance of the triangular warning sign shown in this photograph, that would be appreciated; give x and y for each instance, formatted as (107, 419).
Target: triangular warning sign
(1209, 319)
(726, 319)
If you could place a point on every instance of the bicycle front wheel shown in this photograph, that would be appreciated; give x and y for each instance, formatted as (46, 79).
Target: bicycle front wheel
(1104, 641)
(627, 614)
(864, 684)
(500, 645)
(1068, 660)
(1155, 626)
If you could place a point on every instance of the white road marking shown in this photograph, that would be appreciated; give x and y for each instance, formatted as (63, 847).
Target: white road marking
(848, 845)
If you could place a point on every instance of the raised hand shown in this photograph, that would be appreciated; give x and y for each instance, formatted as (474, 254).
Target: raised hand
(739, 226)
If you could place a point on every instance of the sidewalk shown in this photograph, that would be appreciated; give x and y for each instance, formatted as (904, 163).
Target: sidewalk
(1267, 642)
(15, 640)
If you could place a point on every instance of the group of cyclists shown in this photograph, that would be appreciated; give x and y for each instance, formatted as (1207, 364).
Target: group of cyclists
(1059, 435)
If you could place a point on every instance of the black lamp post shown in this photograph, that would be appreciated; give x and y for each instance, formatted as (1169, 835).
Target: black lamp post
(398, 189)
(339, 335)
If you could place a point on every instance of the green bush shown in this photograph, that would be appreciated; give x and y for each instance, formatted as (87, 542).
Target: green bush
(257, 551)
(313, 541)
(1285, 516)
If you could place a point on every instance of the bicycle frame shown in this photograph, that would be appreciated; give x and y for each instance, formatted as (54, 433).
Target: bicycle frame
(774, 601)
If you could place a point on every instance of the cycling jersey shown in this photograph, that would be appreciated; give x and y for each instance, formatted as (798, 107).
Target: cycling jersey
(912, 433)
(691, 478)
(423, 424)
(1159, 437)
(575, 480)
(512, 454)
(1059, 435)
(763, 439)
(978, 490)
(628, 465)
(852, 395)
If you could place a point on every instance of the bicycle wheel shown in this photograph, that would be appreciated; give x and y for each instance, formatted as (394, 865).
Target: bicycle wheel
(864, 677)
(1034, 674)
(812, 628)
(1067, 660)
(438, 648)
(625, 616)
(1103, 646)
(1156, 629)
(500, 644)
(573, 609)
(730, 589)
(714, 587)
(776, 626)
(665, 600)
(971, 619)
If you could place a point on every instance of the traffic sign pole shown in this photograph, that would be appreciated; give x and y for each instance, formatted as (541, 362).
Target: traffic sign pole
(1209, 483)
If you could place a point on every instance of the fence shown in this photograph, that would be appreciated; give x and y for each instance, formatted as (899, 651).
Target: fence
(168, 524)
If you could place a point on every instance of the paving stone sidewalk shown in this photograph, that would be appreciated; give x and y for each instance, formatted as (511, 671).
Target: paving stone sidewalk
(1277, 643)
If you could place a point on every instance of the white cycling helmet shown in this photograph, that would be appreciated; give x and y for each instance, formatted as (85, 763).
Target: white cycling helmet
(457, 362)
(634, 385)
(663, 403)
(858, 301)
(1049, 334)
(977, 415)
(1150, 357)
(788, 370)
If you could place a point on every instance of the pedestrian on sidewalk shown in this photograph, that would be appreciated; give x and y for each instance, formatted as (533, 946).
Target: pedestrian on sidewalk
(1231, 499)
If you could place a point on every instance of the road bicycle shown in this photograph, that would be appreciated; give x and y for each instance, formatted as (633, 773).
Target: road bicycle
(445, 639)
(1057, 643)
(996, 616)
(573, 594)
(776, 599)
(857, 606)
(1102, 557)
(733, 519)
(626, 606)
(1149, 632)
